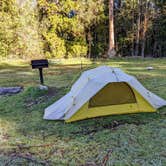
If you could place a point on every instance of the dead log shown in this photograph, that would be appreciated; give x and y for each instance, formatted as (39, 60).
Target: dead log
(10, 90)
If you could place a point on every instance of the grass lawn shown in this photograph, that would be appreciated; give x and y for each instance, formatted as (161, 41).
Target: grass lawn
(27, 139)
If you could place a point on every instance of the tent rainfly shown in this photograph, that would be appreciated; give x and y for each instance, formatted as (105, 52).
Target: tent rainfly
(103, 91)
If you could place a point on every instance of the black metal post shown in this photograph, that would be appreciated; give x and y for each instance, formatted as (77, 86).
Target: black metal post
(41, 76)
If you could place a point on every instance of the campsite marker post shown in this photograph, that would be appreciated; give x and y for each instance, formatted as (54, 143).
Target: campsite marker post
(41, 75)
(40, 64)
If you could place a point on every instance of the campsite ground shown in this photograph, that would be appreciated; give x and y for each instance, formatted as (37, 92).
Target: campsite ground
(27, 139)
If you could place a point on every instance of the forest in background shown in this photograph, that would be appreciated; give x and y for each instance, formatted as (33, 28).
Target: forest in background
(74, 28)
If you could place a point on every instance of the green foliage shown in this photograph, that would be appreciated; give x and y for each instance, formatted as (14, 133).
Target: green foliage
(29, 43)
(126, 21)
(56, 45)
(8, 22)
(90, 26)
(76, 49)
(65, 36)
(70, 28)
(19, 30)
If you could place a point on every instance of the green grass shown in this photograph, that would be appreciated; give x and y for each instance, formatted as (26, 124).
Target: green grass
(27, 139)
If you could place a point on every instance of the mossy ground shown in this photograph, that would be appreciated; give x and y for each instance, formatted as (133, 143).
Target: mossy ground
(27, 139)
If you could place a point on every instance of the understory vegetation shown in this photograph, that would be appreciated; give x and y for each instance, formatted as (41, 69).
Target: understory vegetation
(27, 139)
(74, 28)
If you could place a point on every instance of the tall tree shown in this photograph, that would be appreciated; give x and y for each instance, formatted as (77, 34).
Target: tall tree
(133, 28)
(111, 50)
(138, 28)
(144, 29)
(158, 34)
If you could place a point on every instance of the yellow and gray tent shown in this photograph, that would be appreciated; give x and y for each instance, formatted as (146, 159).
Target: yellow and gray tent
(103, 91)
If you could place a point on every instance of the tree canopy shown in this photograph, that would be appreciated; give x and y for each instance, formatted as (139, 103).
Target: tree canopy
(73, 28)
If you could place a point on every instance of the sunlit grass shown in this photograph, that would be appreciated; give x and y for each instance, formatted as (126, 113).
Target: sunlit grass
(138, 139)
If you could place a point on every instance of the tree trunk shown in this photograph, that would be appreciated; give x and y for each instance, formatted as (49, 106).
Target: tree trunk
(111, 50)
(145, 24)
(132, 49)
(138, 29)
(89, 38)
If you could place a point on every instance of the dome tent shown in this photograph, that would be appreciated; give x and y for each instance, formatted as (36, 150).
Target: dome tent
(103, 91)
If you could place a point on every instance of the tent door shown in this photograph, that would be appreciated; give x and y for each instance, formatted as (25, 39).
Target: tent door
(113, 94)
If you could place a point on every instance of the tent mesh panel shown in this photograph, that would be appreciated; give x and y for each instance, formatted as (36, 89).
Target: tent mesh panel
(113, 94)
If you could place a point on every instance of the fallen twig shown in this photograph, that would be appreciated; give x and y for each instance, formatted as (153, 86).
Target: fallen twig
(106, 157)
(32, 146)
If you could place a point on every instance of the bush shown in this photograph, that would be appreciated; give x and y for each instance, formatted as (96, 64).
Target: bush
(76, 50)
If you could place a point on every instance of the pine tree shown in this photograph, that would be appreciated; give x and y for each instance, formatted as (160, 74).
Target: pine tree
(111, 50)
